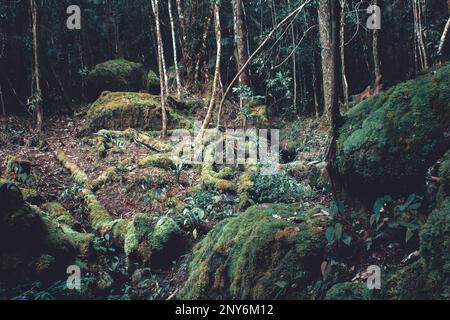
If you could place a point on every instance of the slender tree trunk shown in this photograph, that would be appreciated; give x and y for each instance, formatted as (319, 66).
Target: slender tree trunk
(330, 51)
(212, 102)
(376, 58)
(202, 49)
(240, 38)
(37, 97)
(155, 6)
(443, 38)
(329, 39)
(294, 65)
(174, 44)
(2, 102)
(418, 28)
(184, 39)
(342, 47)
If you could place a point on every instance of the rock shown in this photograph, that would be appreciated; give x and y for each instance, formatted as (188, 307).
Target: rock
(390, 140)
(435, 250)
(123, 110)
(115, 75)
(258, 255)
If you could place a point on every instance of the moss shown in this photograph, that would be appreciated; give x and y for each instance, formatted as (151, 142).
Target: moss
(408, 283)
(115, 75)
(153, 84)
(444, 175)
(349, 291)
(77, 174)
(31, 195)
(98, 214)
(59, 213)
(108, 175)
(159, 160)
(258, 115)
(435, 250)
(123, 110)
(139, 231)
(389, 141)
(248, 257)
(32, 241)
(165, 229)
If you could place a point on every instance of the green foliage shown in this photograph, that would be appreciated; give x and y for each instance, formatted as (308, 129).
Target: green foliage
(277, 188)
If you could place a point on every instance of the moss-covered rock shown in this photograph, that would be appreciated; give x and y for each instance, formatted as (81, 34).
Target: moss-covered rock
(59, 213)
(435, 249)
(156, 245)
(349, 291)
(389, 141)
(408, 283)
(32, 242)
(115, 75)
(261, 254)
(159, 160)
(153, 84)
(123, 110)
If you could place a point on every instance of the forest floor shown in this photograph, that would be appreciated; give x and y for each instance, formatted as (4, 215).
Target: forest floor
(138, 190)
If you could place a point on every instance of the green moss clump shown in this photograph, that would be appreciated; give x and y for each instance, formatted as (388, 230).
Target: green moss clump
(59, 213)
(259, 255)
(389, 141)
(435, 250)
(153, 84)
(99, 215)
(408, 283)
(349, 291)
(137, 246)
(159, 160)
(115, 75)
(123, 110)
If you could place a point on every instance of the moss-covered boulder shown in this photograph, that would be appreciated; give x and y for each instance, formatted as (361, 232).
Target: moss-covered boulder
(152, 244)
(435, 249)
(33, 245)
(349, 291)
(115, 75)
(389, 141)
(262, 254)
(123, 110)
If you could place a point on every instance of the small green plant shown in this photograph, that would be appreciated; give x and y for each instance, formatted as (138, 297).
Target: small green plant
(277, 188)
(336, 234)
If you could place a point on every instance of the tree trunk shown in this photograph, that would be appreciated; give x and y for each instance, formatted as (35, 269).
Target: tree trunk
(155, 6)
(212, 102)
(417, 11)
(174, 44)
(330, 52)
(443, 38)
(37, 97)
(203, 46)
(240, 38)
(2, 102)
(342, 47)
(329, 39)
(184, 39)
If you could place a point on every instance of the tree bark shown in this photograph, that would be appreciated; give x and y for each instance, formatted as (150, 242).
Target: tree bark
(184, 39)
(155, 6)
(329, 39)
(443, 38)
(212, 102)
(342, 47)
(37, 96)
(174, 44)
